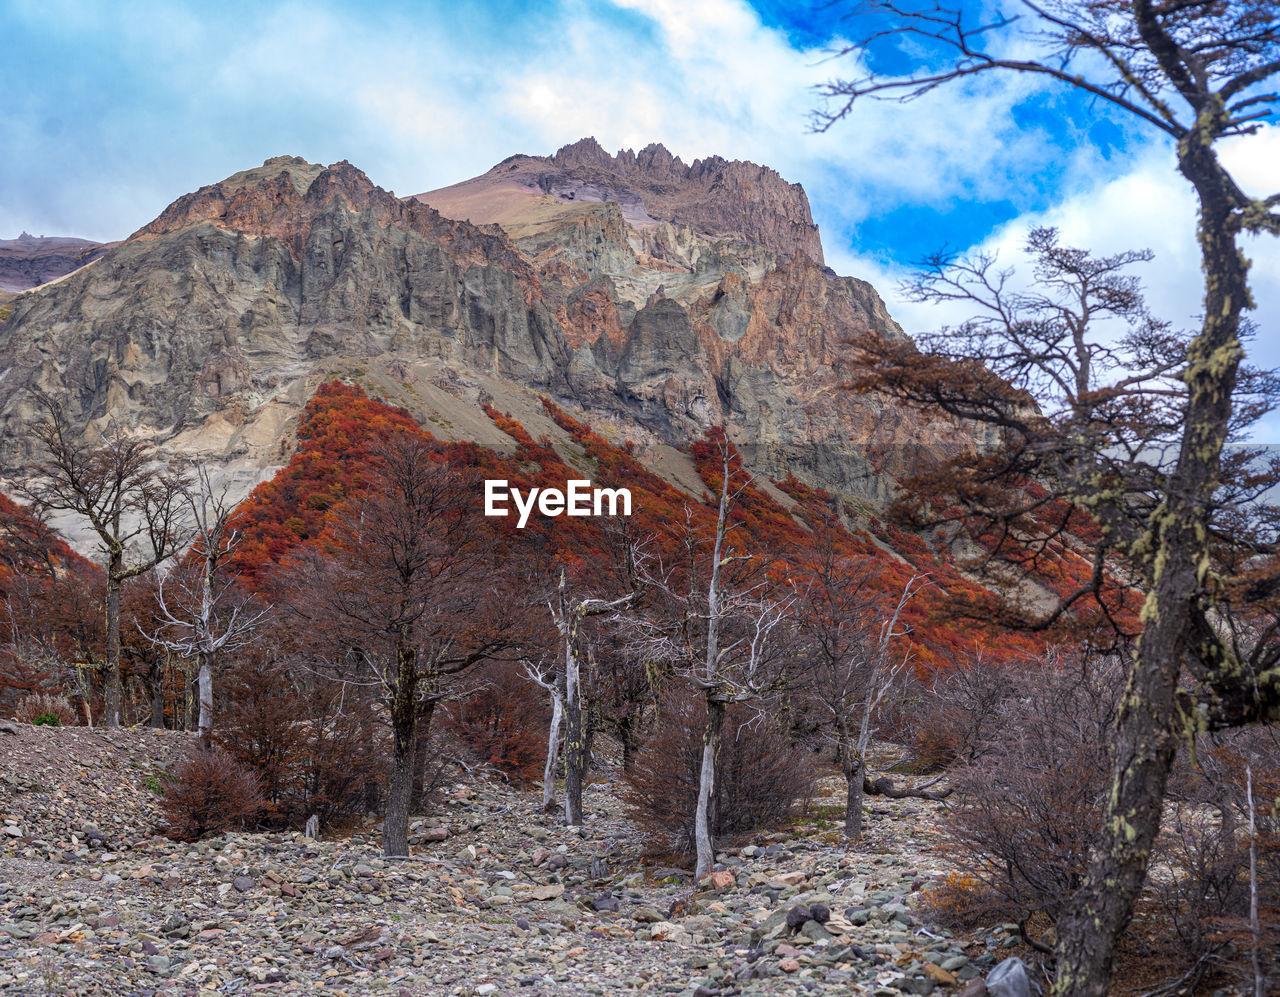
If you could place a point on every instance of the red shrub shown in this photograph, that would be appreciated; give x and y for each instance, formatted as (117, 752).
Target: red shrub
(762, 776)
(317, 748)
(503, 724)
(210, 791)
(42, 709)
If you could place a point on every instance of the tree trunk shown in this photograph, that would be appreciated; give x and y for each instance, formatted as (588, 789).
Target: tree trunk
(1149, 724)
(854, 768)
(404, 729)
(575, 742)
(205, 680)
(422, 752)
(188, 700)
(156, 690)
(207, 651)
(707, 787)
(395, 826)
(553, 753)
(111, 678)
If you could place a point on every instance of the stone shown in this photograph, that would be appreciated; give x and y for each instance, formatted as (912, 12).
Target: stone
(797, 916)
(1010, 979)
(820, 913)
(940, 975)
(815, 932)
(548, 892)
(435, 834)
(976, 987)
(176, 926)
(718, 880)
(242, 884)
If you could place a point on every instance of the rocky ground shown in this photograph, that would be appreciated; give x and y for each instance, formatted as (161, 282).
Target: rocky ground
(498, 898)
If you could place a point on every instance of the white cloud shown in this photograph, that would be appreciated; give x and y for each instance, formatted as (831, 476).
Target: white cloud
(430, 98)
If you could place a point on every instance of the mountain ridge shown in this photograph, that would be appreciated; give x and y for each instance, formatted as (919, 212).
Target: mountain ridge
(713, 196)
(30, 261)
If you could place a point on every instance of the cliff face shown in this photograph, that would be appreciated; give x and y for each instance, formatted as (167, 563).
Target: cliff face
(210, 327)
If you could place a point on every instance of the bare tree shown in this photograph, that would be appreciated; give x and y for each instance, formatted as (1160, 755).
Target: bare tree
(711, 623)
(569, 613)
(561, 676)
(202, 614)
(549, 676)
(1096, 471)
(133, 507)
(850, 657)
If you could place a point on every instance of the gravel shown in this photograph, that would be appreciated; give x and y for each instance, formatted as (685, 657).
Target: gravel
(498, 898)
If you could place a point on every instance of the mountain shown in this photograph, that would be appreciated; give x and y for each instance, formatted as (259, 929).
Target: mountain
(29, 260)
(651, 298)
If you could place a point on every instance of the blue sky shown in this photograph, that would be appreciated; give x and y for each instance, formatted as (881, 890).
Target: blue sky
(111, 111)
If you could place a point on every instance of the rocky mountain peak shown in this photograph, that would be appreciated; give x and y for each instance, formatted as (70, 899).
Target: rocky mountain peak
(677, 297)
(715, 197)
(718, 197)
(297, 169)
(584, 152)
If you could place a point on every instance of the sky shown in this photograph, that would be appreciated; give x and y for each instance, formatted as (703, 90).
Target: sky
(111, 111)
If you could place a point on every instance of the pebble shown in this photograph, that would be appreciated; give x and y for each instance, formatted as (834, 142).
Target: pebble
(520, 904)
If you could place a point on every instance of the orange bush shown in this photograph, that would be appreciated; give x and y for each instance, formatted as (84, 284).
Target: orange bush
(503, 724)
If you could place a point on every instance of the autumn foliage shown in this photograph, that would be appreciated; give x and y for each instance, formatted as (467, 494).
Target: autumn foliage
(209, 791)
(501, 725)
(342, 426)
